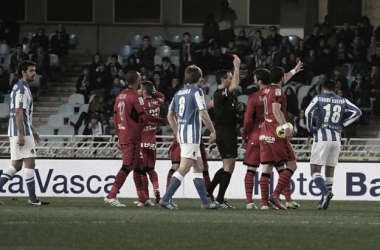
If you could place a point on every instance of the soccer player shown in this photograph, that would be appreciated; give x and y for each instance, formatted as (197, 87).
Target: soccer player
(153, 101)
(225, 124)
(274, 150)
(189, 106)
(325, 151)
(22, 135)
(129, 113)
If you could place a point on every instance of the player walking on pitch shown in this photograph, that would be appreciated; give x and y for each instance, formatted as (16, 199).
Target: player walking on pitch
(325, 151)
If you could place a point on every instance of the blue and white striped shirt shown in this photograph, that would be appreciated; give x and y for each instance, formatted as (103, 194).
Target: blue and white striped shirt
(21, 97)
(330, 111)
(187, 103)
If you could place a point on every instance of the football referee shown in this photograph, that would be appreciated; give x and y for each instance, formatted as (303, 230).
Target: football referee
(225, 125)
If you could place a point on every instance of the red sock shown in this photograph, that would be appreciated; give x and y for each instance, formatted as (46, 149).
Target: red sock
(145, 185)
(137, 177)
(249, 182)
(288, 192)
(119, 181)
(283, 181)
(170, 174)
(153, 178)
(264, 187)
(206, 177)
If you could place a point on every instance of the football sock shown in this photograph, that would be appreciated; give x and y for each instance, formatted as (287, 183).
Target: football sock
(145, 184)
(329, 183)
(206, 177)
(264, 187)
(175, 182)
(153, 177)
(287, 189)
(199, 184)
(170, 174)
(224, 182)
(320, 183)
(7, 174)
(283, 181)
(119, 181)
(30, 183)
(215, 181)
(139, 183)
(249, 182)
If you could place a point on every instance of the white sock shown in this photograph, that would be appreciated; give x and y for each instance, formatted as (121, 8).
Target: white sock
(28, 174)
(329, 183)
(178, 176)
(197, 175)
(10, 171)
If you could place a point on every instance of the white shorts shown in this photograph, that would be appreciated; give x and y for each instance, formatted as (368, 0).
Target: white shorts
(325, 153)
(26, 151)
(190, 150)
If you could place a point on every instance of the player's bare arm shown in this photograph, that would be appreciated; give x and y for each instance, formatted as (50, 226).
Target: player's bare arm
(36, 136)
(172, 122)
(290, 74)
(235, 78)
(20, 126)
(281, 119)
(207, 121)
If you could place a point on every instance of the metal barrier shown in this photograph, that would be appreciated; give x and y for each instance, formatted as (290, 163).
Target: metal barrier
(80, 146)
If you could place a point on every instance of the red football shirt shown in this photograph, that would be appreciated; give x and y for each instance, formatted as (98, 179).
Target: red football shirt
(272, 94)
(128, 105)
(152, 107)
(253, 117)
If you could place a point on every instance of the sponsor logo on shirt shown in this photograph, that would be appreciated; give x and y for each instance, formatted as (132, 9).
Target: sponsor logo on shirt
(278, 92)
(120, 126)
(267, 139)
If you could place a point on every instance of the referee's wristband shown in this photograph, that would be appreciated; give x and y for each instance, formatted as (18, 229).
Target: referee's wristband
(293, 71)
(285, 126)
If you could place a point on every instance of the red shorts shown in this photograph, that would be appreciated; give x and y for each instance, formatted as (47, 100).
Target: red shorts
(277, 152)
(252, 154)
(149, 157)
(175, 153)
(131, 154)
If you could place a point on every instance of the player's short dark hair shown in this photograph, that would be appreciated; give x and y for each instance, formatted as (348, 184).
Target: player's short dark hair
(114, 56)
(19, 45)
(192, 74)
(146, 37)
(329, 85)
(23, 66)
(131, 77)
(276, 74)
(147, 86)
(262, 75)
(221, 74)
(186, 34)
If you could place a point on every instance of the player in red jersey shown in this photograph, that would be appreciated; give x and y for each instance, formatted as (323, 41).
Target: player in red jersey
(129, 112)
(275, 150)
(153, 101)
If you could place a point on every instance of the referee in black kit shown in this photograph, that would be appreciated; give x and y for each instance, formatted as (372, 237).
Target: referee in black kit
(225, 125)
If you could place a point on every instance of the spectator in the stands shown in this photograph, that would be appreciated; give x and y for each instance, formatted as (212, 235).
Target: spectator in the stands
(39, 39)
(276, 56)
(321, 80)
(96, 106)
(291, 104)
(94, 127)
(114, 66)
(300, 125)
(168, 69)
(333, 40)
(357, 54)
(121, 76)
(268, 62)
(341, 84)
(358, 87)
(83, 84)
(341, 54)
(158, 82)
(273, 39)
(18, 57)
(59, 42)
(292, 60)
(308, 98)
(206, 62)
(9, 31)
(373, 82)
(313, 40)
(327, 27)
(232, 49)
(301, 76)
(94, 66)
(285, 64)
(131, 64)
(364, 30)
(172, 89)
(242, 43)
(4, 81)
(146, 53)
(117, 86)
(326, 61)
(371, 50)
(226, 16)
(375, 58)
(259, 42)
(346, 34)
(321, 46)
(210, 29)
(144, 73)
(301, 49)
(109, 103)
(42, 60)
(285, 47)
(243, 70)
(103, 78)
(222, 61)
(110, 127)
(311, 60)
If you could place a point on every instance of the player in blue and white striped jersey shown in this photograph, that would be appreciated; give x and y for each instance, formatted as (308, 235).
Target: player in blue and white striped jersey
(330, 110)
(22, 134)
(189, 106)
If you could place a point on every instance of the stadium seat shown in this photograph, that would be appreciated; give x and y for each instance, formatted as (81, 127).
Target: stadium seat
(209, 80)
(242, 98)
(56, 121)
(76, 100)
(135, 40)
(212, 89)
(196, 39)
(25, 47)
(36, 83)
(251, 87)
(124, 51)
(83, 108)
(350, 79)
(298, 86)
(302, 92)
(7, 99)
(7, 62)
(4, 110)
(91, 98)
(73, 41)
(50, 35)
(175, 38)
(154, 41)
(66, 110)
(66, 130)
(74, 118)
(54, 61)
(164, 51)
(248, 58)
(347, 69)
(4, 50)
(314, 81)
(46, 130)
(157, 59)
(250, 38)
(175, 60)
(294, 40)
(119, 59)
(207, 99)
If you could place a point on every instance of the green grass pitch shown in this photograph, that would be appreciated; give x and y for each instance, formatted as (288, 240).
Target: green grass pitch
(88, 223)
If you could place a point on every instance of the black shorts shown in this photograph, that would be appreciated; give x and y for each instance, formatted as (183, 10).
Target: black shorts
(226, 139)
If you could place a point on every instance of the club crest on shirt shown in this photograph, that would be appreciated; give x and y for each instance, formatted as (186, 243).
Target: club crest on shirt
(21, 98)
(277, 92)
(141, 101)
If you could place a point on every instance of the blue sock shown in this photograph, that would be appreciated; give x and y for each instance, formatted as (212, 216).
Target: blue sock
(30, 183)
(199, 184)
(320, 183)
(175, 182)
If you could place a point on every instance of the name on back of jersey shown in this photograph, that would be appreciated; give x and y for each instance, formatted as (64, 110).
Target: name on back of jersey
(184, 92)
(331, 100)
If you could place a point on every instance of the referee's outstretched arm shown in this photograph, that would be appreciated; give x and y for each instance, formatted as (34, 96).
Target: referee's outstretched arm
(235, 79)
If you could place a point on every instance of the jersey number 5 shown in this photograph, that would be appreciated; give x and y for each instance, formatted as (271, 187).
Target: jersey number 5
(336, 113)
